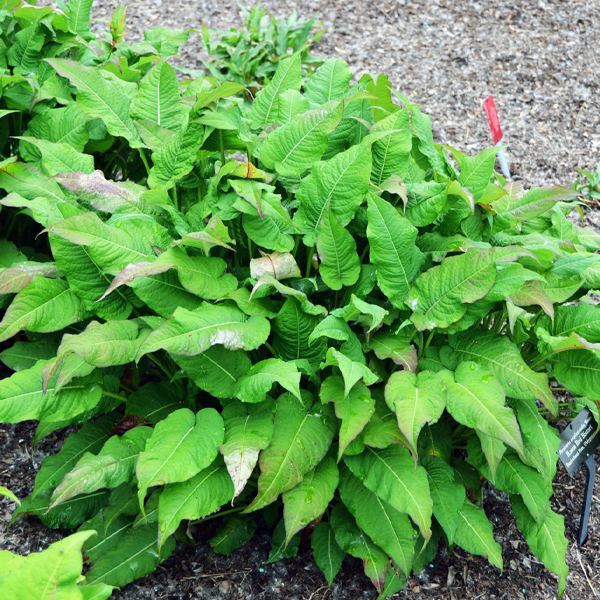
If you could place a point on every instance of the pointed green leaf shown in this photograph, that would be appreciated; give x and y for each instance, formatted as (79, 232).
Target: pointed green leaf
(176, 158)
(292, 334)
(439, 295)
(180, 446)
(248, 430)
(255, 386)
(391, 153)
(50, 574)
(233, 533)
(474, 534)
(191, 332)
(386, 344)
(25, 53)
(88, 440)
(154, 401)
(198, 497)
(112, 466)
(264, 108)
(44, 305)
(22, 397)
(354, 409)
(476, 399)
(579, 370)
(157, 98)
(356, 543)
(136, 555)
(309, 499)
(352, 371)
(340, 265)
(300, 439)
(326, 551)
(392, 249)
(60, 158)
(546, 540)
(448, 496)
(339, 185)
(416, 400)
(66, 125)
(78, 17)
(293, 148)
(290, 104)
(503, 359)
(391, 474)
(99, 97)
(329, 82)
(14, 279)
(388, 528)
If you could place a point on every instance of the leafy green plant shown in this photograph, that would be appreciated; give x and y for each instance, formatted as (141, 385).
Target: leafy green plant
(300, 306)
(588, 184)
(250, 55)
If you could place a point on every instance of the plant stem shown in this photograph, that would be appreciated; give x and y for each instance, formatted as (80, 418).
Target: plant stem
(296, 244)
(111, 395)
(221, 147)
(309, 256)
(219, 514)
(174, 197)
(427, 344)
(144, 160)
(161, 365)
(271, 349)
(364, 253)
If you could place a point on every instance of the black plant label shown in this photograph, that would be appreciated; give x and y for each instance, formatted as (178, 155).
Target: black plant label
(579, 440)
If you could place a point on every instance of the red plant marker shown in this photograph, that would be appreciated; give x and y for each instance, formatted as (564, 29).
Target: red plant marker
(492, 115)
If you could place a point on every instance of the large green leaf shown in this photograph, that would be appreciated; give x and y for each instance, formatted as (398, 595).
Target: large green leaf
(176, 158)
(108, 246)
(503, 359)
(22, 397)
(388, 528)
(25, 53)
(136, 555)
(157, 98)
(546, 540)
(110, 344)
(287, 77)
(216, 370)
(293, 148)
(339, 185)
(14, 279)
(198, 497)
(59, 157)
(447, 494)
(233, 533)
(112, 466)
(248, 430)
(516, 207)
(416, 400)
(582, 319)
(108, 535)
(191, 332)
(44, 305)
(53, 573)
(354, 409)
(475, 171)
(579, 370)
(180, 446)
(397, 347)
(255, 386)
(540, 438)
(154, 401)
(66, 125)
(440, 295)
(356, 543)
(88, 440)
(329, 82)
(78, 17)
(391, 153)
(352, 371)
(99, 97)
(391, 474)
(301, 437)
(340, 265)
(292, 330)
(326, 551)
(102, 194)
(392, 249)
(475, 398)
(474, 534)
(308, 500)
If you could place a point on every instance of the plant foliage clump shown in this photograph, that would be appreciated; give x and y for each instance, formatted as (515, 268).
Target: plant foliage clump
(298, 305)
